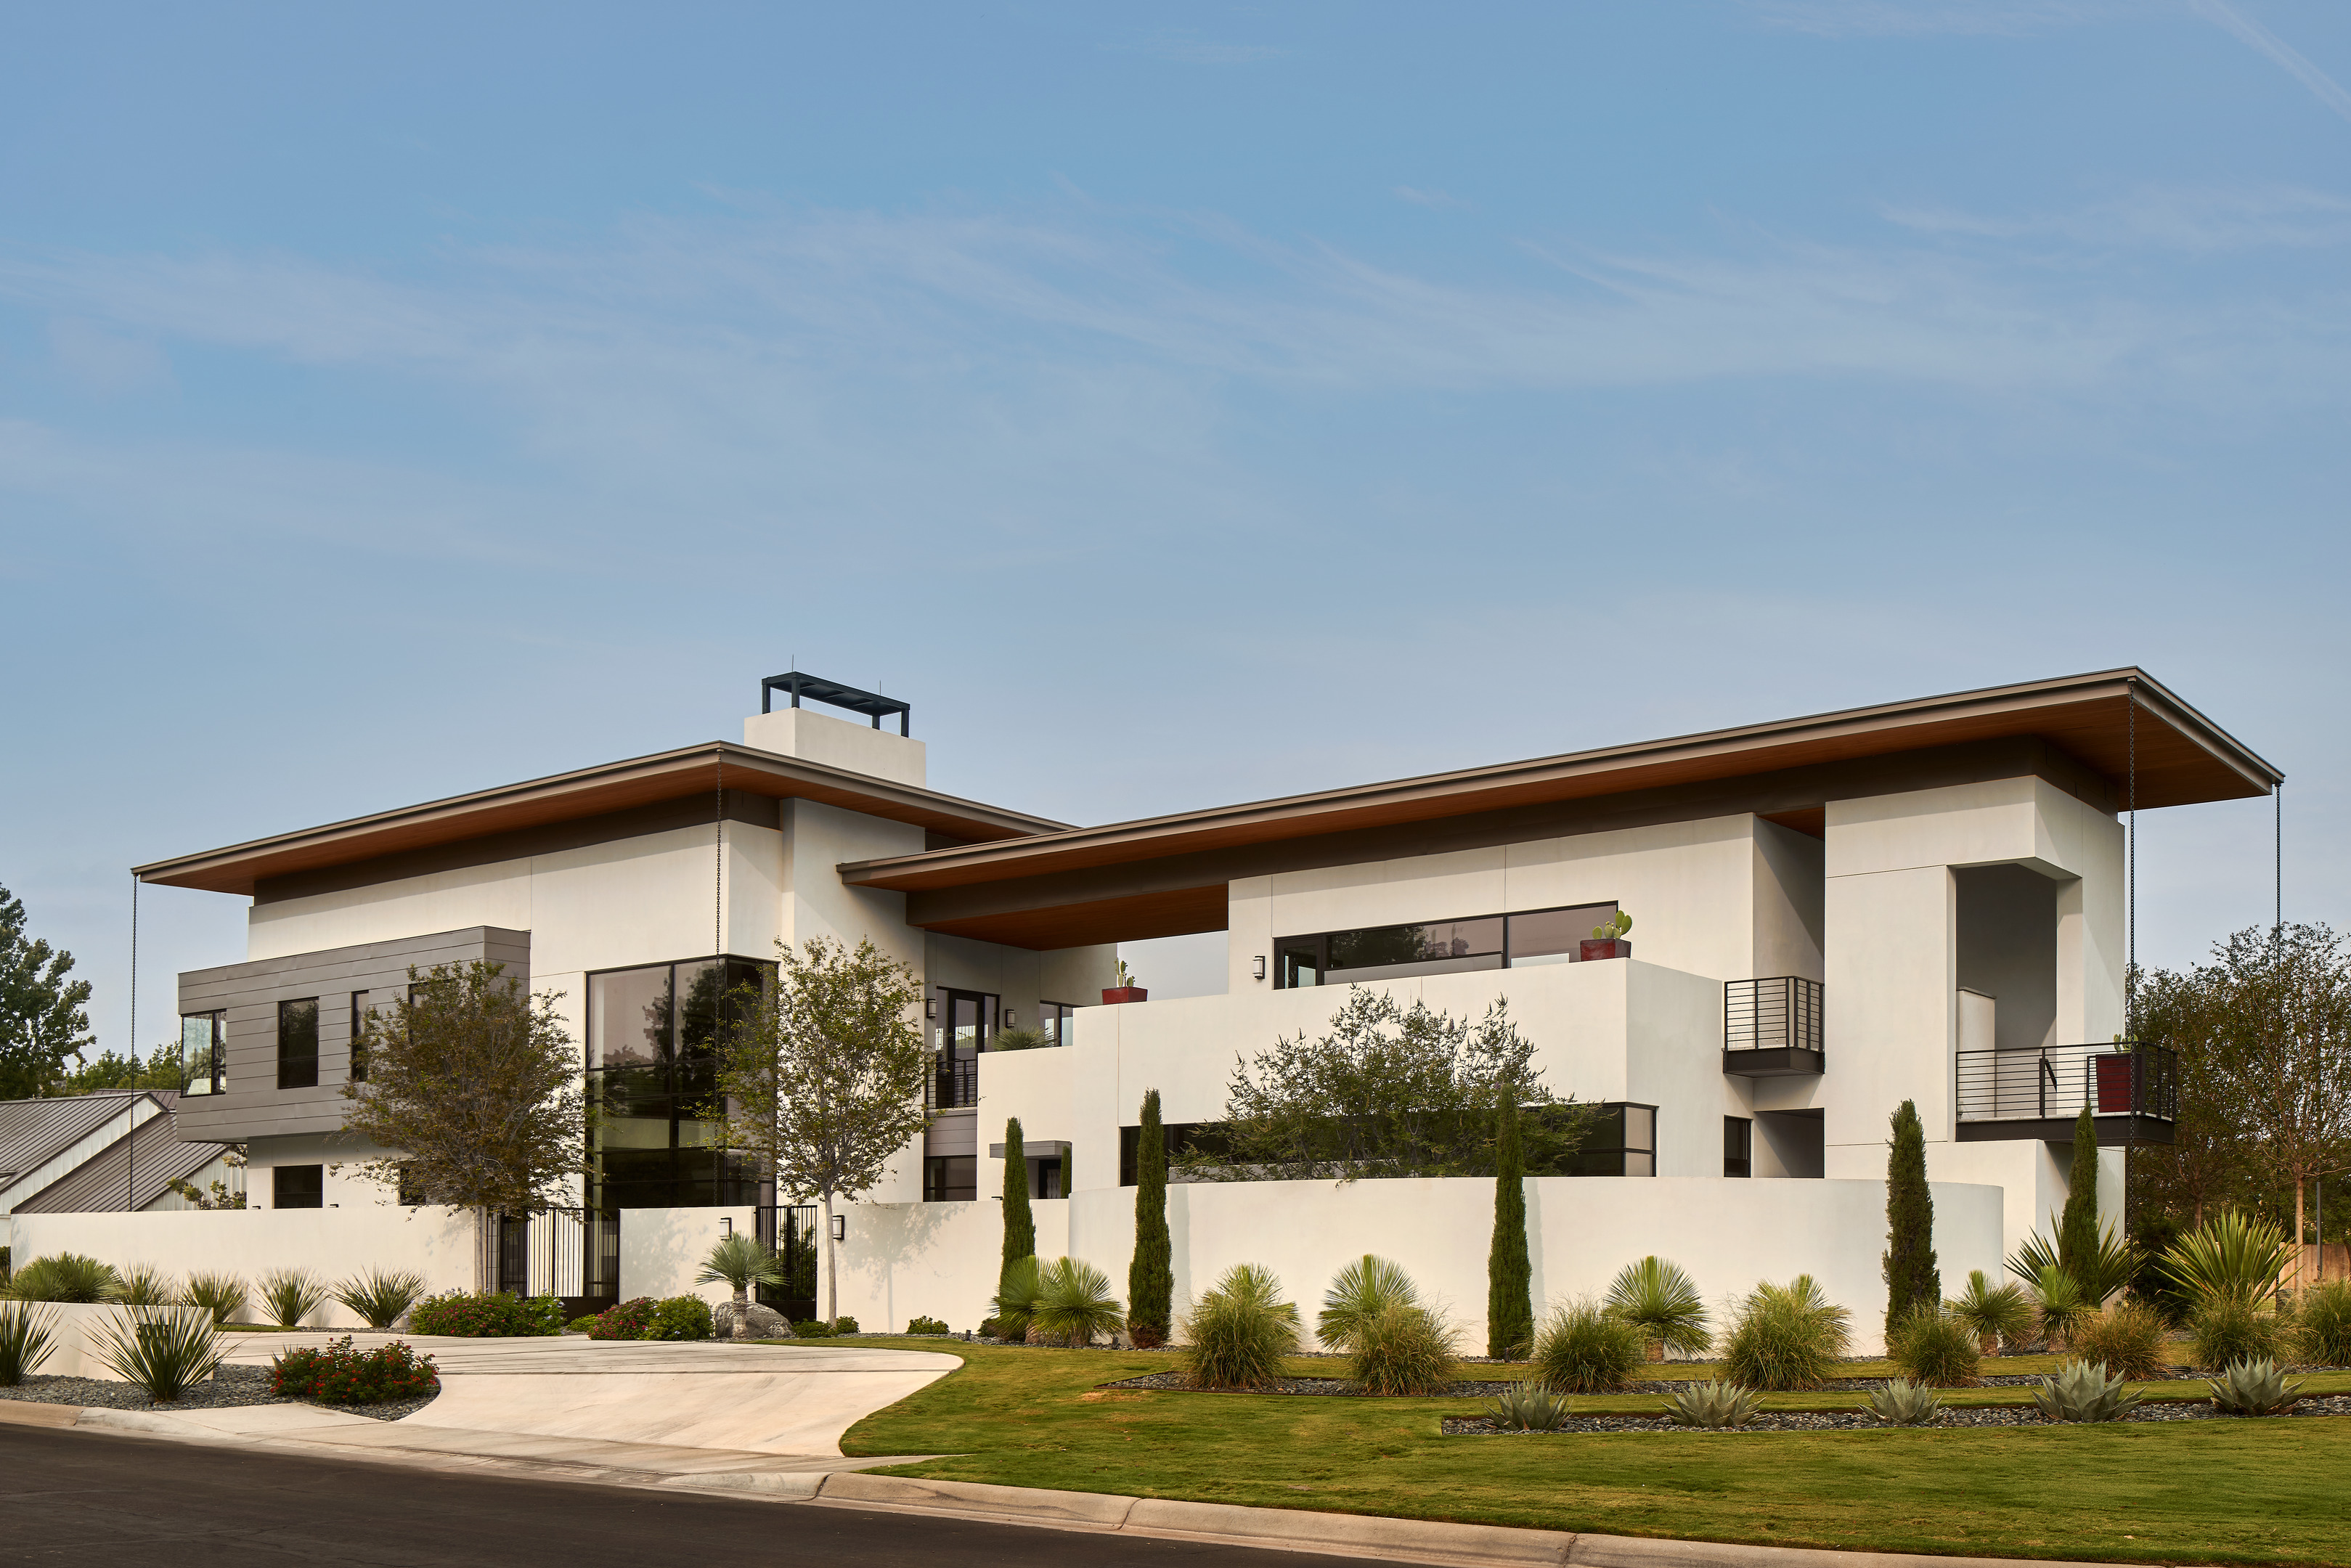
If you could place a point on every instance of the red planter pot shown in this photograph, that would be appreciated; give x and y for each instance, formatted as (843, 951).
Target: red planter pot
(1114, 995)
(1605, 947)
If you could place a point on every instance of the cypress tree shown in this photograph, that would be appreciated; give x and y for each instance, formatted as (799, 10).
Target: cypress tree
(2077, 1227)
(1912, 1281)
(1150, 1278)
(1509, 1303)
(1019, 1224)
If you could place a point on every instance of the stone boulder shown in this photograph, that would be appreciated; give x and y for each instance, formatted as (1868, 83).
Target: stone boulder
(766, 1322)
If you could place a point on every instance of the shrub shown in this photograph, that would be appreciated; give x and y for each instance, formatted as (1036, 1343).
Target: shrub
(1237, 1333)
(1074, 1304)
(586, 1324)
(1662, 1301)
(2127, 1338)
(2228, 1328)
(2229, 1257)
(336, 1374)
(1994, 1314)
(2106, 1264)
(67, 1277)
(541, 1315)
(223, 1295)
(846, 1325)
(291, 1295)
(807, 1329)
(926, 1325)
(2324, 1315)
(1405, 1350)
(1714, 1405)
(1359, 1293)
(1527, 1407)
(1899, 1402)
(380, 1297)
(1785, 1336)
(163, 1349)
(1016, 1298)
(2059, 1302)
(2084, 1391)
(622, 1320)
(26, 1338)
(2253, 1388)
(144, 1285)
(1585, 1349)
(679, 1317)
(486, 1314)
(1932, 1347)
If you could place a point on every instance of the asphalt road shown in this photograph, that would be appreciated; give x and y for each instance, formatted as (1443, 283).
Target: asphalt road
(86, 1497)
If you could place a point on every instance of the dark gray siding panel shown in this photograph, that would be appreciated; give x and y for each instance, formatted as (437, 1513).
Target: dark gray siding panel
(252, 1105)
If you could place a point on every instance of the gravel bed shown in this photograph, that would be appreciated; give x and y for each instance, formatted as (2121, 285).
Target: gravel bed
(229, 1385)
(1856, 1420)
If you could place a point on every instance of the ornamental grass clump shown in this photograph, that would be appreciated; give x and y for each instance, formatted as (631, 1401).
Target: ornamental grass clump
(1075, 1304)
(1661, 1301)
(2059, 1303)
(1582, 1348)
(1237, 1334)
(291, 1295)
(1714, 1405)
(2083, 1392)
(163, 1350)
(145, 1285)
(67, 1277)
(1358, 1294)
(1899, 1402)
(1996, 1315)
(2127, 1339)
(379, 1296)
(1016, 1298)
(2225, 1329)
(2323, 1325)
(1527, 1407)
(1404, 1350)
(1786, 1336)
(2231, 1257)
(223, 1295)
(2253, 1388)
(27, 1336)
(1932, 1347)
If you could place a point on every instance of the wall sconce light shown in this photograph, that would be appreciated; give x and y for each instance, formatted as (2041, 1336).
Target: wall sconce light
(725, 1225)
(1260, 965)
(930, 1006)
(1008, 1016)
(841, 1227)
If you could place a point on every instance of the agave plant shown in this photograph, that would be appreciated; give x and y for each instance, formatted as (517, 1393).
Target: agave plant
(1996, 1315)
(1358, 1294)
(163, 1349)
(379, 1296)
(2107, 1269)
(26, 1337)
(1662, 1301)
(223, 1295)
(1073, 1303)
(1237, 1334)
(1527, 1407)
(2228, 1257)
(144, 1285)
(1899, 1402)
(1714, 1404)
(291, 1295)
(2083, 1392)
(2253, 1388)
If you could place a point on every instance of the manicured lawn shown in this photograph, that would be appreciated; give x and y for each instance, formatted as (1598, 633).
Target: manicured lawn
(2274, 1490)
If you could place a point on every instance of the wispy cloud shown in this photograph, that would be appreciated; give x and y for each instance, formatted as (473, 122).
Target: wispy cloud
(2323, 88)
(1901, 18)
(2189, 220)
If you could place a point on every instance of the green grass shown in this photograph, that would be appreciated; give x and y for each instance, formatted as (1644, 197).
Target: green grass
(2245, 1491)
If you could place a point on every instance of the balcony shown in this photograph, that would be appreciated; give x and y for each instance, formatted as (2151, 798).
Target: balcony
(1772, 1028)
(2132, 1092)
(954, 1082)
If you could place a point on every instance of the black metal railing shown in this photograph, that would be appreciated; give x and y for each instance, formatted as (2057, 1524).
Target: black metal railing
(574, 1253)
(2117, 1078)
(955, 1082)
(790, 1231)
(1783, 1013)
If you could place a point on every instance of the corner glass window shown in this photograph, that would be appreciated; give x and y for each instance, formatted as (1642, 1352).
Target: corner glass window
(202, 1053)
(298, 1044)
(654, 1035)
(1738, 1147)
(298, 1186)
(1436, 948)
(1623, 1141)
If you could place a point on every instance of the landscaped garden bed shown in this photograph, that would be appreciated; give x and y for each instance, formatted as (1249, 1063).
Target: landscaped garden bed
(230, 1386)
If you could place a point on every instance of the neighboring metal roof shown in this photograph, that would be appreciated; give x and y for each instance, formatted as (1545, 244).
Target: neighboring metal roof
(35, 1131)
(153, 1156)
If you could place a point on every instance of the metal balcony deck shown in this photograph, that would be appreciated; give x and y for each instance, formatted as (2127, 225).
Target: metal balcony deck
(2132, 1091)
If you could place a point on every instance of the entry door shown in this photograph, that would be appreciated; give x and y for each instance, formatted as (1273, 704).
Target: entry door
(970, 1023)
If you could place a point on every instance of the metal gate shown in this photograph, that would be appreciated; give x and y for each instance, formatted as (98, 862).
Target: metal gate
(791, 1230)
(571, 1253)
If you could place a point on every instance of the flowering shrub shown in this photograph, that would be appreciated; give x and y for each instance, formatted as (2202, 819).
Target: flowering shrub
(679, 1317)
(626, 1320)
(486, 1314)
(337, 1374)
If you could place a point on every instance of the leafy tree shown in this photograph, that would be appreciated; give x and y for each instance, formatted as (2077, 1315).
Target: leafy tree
(2205, 1165)
(1912, 1281)
(1150, 1278)
(2077, 1226)
(821, 1075)
(1020, 1220)
(473, 1085)
(1510, 1277)
(161, 1070)
(42, 1016)
(1387, 1091)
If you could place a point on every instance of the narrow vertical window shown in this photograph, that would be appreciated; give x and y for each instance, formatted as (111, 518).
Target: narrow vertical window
(1738, 1147)
(202, 1050)
(359, 1045)
(298, 1044)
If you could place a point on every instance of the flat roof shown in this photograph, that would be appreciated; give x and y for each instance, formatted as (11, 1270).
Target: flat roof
(2181, 759)
(697, 770)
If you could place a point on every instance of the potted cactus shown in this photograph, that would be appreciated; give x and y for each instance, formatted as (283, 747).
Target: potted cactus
(1607, 939)
(1126, 990)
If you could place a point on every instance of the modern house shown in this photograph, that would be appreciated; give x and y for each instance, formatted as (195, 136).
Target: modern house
(1924, 900)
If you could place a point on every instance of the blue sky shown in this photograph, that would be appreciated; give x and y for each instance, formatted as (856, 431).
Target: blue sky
(1177, 405)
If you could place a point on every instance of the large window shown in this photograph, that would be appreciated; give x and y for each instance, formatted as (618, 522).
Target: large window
(1054, 1020)
(298, 1044)
(298, 1186)
(1437, 948)
(653, 1037)
(962, 1025)
(1623, 1141)
(204, 1052)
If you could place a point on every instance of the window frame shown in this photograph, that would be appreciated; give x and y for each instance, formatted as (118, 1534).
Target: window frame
(1291, 953)
(278, 1184)
(298, 1071)
(1596, 1159)
(729, 1179)
(215, 1079)
(1739, 1145)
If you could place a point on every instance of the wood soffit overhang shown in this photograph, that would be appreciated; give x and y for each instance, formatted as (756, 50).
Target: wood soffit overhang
(612, 788)
(2181, 759)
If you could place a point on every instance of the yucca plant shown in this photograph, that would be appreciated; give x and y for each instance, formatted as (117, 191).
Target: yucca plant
(2324, 1321)
(1996, 1315)
(1935, 1347)
(2225, 1329)
(1584, 1348)
(1527, 1407)
(2229, 1257)
(67, 1277)
(291, 1295)
(1662, 1301)
(1073, 1303)
(1404, 1349)
(1237, 1334)
(1786, 1336)
(223, 1295)
(742, 1262)
(1015, 1298)
(144, 1285)
(2127, 1339)
(379, 1296)
(163, 1349)
(1358, 1294)
(2253, 1388)
(27, 1336)
(1899, 1402)
(2083, 1392)
(1714, 1405)
(2097, 1274)
(2059, 1302)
